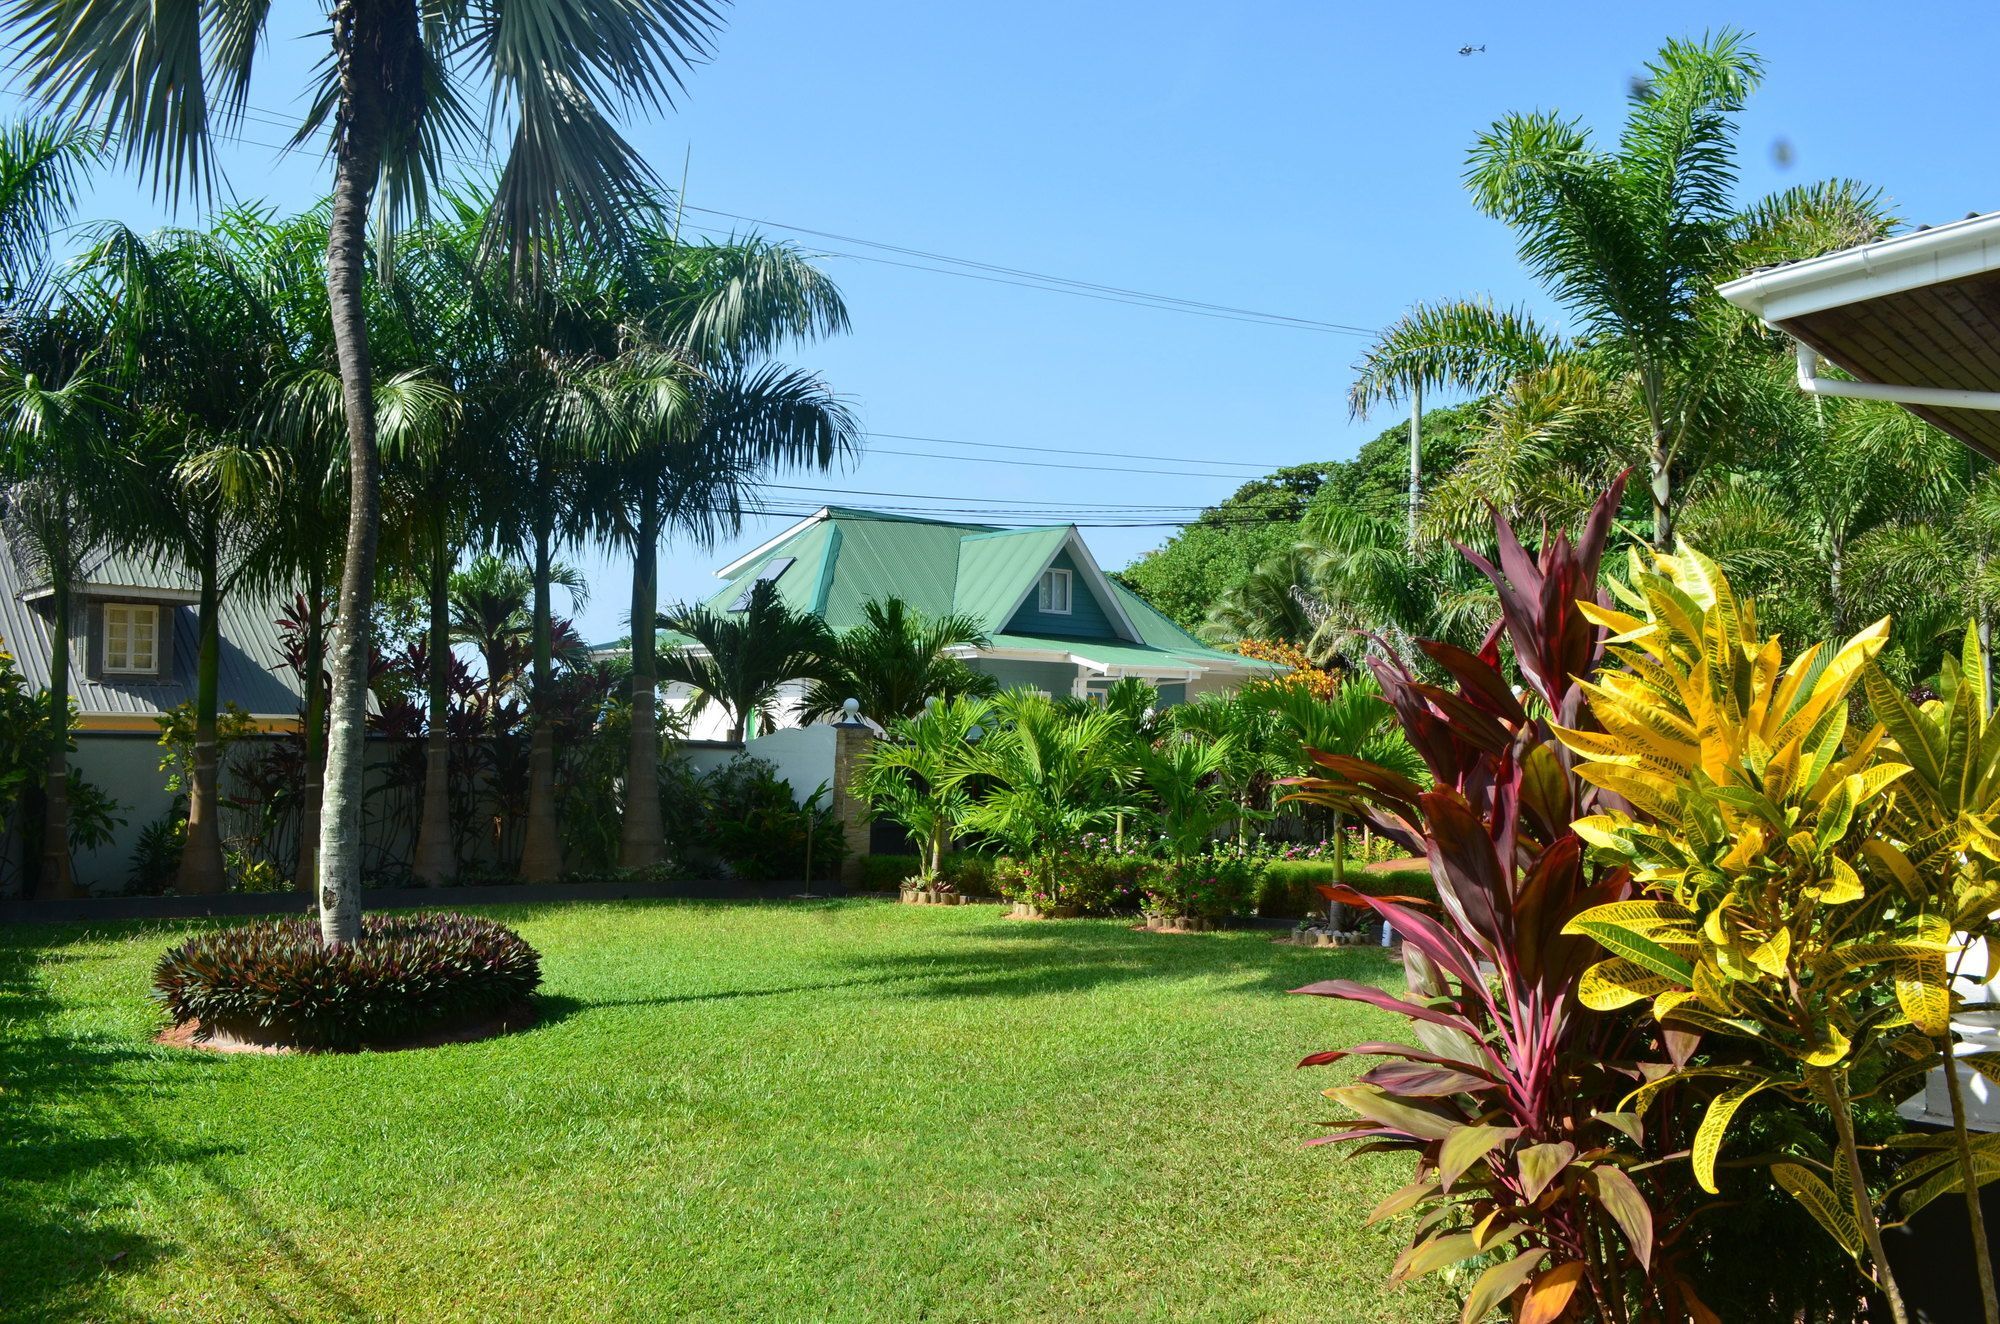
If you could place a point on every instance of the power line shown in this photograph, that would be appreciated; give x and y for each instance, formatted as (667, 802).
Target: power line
(994, 273)
(1313, 323)
(1066, 450)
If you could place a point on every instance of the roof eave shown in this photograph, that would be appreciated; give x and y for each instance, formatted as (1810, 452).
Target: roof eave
(1911, 261)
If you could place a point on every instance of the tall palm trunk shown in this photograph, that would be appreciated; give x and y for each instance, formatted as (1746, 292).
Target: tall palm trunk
(541, 850)
(57, 877)
(360, 41)
(305, 876)
(641, 842)
(201, 859)
(1663, 492)
(433, 862)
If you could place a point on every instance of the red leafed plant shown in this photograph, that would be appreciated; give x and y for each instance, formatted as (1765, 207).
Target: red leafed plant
(1509, 1098)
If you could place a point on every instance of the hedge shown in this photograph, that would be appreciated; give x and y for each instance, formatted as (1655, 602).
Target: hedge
(1288, 888)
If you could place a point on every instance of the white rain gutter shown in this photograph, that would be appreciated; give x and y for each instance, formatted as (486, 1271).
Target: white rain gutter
(1937, 397)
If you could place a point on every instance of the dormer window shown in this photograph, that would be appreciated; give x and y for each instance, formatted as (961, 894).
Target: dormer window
(131, 639)
(1054, 597)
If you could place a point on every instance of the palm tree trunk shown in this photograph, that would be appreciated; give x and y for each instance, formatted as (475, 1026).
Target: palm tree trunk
(201, 859)
(357, 162)
(305, 876)
(57, 877)
(1663, 491)
(541, 850)
(1416, 461)
(641, 842)
(432, 863)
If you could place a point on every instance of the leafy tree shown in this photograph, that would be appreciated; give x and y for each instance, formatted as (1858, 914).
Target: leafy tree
(739, 660)
(1206, 559)
(895, 662)
(393, 101)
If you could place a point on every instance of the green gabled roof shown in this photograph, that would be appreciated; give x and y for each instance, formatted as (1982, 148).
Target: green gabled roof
(996, 570)
(844, 558)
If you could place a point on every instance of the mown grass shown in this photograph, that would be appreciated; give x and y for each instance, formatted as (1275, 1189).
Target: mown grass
(814, 1111)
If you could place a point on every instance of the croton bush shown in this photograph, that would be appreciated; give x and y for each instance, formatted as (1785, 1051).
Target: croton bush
(409, 975)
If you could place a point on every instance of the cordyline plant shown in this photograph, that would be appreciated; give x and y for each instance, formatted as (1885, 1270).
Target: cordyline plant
(1779, 898)
(1509, 1097)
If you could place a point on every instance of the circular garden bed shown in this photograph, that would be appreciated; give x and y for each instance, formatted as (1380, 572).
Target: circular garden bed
(409, 981)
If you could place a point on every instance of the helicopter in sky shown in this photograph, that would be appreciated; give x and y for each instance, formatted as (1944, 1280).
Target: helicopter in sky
(1472, 50)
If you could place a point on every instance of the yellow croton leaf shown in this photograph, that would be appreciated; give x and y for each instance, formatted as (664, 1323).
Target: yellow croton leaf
(1844, 886)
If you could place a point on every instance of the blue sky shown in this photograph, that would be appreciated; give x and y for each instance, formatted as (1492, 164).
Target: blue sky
(1292, 158)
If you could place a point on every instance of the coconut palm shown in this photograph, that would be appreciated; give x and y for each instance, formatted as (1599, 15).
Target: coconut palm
(740, 660)
(895, 661)
(65, 492)
(1630, 242)
(393, 99)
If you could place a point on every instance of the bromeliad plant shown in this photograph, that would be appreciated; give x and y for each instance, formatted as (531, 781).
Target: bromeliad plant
(1777, 903)
(1507, 1099)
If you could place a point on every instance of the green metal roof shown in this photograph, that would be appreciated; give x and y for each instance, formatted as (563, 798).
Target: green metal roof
(996, 571)
(845, 558)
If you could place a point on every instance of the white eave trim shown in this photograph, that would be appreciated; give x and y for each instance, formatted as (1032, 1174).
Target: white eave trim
(177, 597)
(729, 571)
(1944, 253)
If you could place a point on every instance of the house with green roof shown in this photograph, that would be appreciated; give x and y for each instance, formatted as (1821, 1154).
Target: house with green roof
(1057, 622)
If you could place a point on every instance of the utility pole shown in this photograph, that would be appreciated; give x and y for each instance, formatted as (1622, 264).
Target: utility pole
(1416, 458)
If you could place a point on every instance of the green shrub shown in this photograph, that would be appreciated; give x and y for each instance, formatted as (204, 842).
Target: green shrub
(277, 982)
(1288, 889)
(1213, 886)
(886, 873)
(1094, 884)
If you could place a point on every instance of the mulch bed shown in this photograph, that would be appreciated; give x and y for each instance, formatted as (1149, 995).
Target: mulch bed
(182, 1035)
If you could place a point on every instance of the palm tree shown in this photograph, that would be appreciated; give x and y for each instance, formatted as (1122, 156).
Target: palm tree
(198, 342)
(895, 662)
(917, 774)
(1049, 776)
(64, 494)
(393, 101)
(1274, 602)
(739, 660)
(41, 165)
(1630, 242)
(701, 440)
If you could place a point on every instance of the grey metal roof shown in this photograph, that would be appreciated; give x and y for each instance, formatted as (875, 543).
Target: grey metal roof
(253, 674)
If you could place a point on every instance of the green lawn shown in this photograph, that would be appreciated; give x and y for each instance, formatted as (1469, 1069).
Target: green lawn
(820, 1111)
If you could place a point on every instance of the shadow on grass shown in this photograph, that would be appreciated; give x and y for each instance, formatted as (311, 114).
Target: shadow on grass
(1036, 958)
(77, 1145)
(1033, 958)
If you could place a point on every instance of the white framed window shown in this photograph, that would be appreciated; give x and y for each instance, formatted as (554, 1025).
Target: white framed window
(131, 639)
(1054, 598)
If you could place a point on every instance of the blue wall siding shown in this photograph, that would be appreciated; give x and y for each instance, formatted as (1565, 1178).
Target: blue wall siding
(1086, 620)
(1055, 677)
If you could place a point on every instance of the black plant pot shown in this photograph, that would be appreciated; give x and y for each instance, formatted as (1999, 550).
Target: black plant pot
(1931, 1257)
